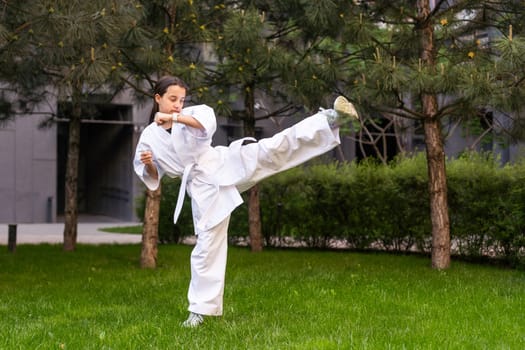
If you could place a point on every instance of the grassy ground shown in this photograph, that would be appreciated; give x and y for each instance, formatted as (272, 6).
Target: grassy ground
(136, 229)
(98, 298)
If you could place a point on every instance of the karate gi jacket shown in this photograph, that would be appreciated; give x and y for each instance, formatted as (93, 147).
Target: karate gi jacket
(215, 176)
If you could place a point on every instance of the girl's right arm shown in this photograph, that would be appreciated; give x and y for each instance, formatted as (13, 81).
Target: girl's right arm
(146, 158)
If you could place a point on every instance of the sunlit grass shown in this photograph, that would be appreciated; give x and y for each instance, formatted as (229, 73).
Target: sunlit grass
(98, 298)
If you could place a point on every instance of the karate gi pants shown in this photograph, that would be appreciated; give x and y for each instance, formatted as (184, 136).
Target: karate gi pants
(301, 142)
(208, 270)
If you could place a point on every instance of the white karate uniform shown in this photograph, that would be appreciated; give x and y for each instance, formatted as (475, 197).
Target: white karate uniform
(214, 178)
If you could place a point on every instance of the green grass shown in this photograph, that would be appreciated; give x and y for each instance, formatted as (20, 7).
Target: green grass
(135, 229)
(98, 298)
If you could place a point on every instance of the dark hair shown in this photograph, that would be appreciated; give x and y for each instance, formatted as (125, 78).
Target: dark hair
(161, 87)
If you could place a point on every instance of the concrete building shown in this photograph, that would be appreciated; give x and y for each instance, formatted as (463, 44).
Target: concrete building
(33, 162)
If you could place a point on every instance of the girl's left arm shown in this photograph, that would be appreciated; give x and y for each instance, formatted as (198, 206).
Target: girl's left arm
(162, 118)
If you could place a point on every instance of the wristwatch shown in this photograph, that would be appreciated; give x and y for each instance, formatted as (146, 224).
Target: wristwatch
(175, 117)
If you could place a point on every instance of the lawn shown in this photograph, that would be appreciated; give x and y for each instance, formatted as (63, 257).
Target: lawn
(98, 298)
(136, 229)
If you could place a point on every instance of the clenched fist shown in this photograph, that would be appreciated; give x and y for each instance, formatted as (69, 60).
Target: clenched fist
(146, 158)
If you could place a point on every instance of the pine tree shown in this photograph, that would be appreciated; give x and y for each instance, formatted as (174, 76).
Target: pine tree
(168, 40)
(270, 49)
(429, 64)
(68, 49)
(234, 51)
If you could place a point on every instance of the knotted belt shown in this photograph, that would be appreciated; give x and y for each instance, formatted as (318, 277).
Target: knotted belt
(234, 148)
(182, 191)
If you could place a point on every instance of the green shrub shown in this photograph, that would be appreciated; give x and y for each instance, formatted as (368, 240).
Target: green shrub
(358, 205)
(411, 209)
(370, 205)
(486, 202)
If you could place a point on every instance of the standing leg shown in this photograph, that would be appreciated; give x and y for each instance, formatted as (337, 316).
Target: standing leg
(208, 271)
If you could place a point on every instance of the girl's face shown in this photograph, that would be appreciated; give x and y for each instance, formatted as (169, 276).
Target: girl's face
(173, 99)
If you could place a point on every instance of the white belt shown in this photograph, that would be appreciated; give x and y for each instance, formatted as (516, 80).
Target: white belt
(236, 145)
(182, 191)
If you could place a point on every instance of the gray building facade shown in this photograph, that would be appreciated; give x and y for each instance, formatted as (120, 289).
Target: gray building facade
(33, 162)
(28, 172)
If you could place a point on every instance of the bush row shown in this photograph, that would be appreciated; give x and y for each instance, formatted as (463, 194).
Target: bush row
(369, 205)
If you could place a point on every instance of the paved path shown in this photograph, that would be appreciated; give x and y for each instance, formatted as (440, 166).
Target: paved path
(88, 233)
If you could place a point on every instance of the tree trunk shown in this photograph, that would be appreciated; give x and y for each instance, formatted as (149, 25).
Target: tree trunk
(254, 219)
(254, 212)
(71, 186)
(150, 235)
(435, 150)
(150, 230)
(437, 185)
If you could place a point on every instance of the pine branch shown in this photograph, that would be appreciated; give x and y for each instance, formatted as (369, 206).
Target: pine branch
(401, 112)
(285, 111)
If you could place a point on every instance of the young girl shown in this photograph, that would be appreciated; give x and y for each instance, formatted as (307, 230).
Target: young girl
(178, 144)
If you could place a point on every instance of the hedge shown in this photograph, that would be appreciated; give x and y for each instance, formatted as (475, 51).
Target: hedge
(368, 205)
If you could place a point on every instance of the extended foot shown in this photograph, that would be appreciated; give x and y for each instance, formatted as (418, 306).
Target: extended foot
(344, 108)
(194, 320)
(343, 112)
